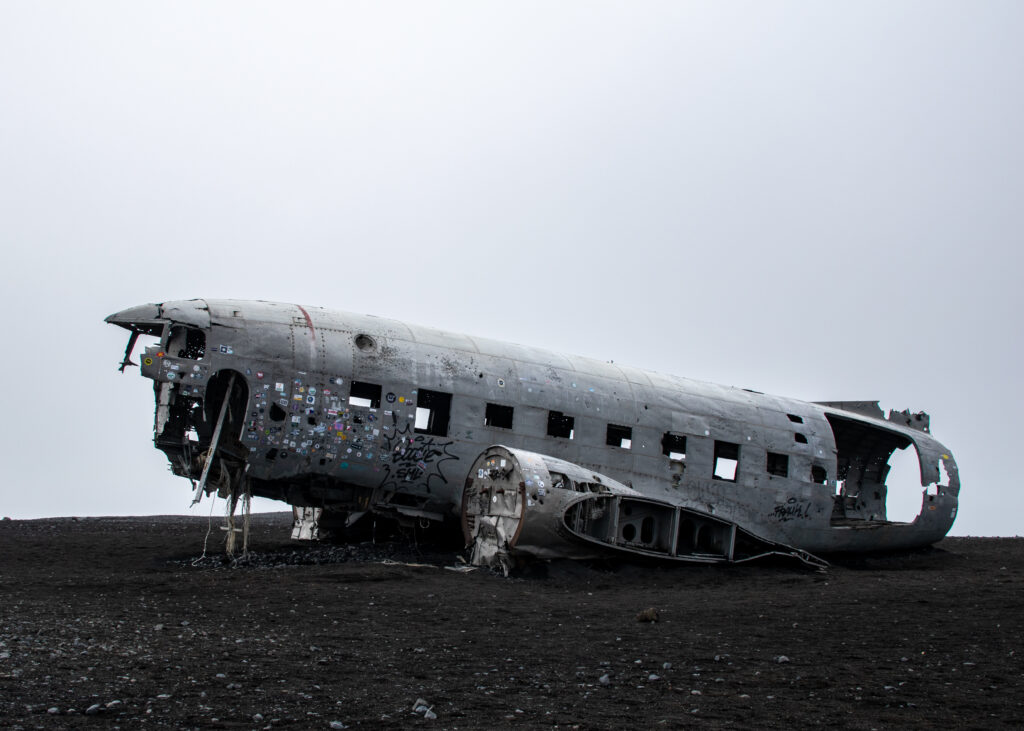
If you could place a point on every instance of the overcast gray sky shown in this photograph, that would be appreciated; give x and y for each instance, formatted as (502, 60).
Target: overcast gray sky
(819, 200)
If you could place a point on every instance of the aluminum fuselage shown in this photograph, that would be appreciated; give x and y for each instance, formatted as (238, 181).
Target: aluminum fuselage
(354, 412)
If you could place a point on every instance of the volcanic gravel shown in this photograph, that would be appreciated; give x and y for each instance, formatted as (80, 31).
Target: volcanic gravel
(122, 623)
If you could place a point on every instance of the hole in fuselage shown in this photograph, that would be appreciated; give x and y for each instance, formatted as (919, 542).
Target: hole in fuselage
(903, 486)
(879, 475)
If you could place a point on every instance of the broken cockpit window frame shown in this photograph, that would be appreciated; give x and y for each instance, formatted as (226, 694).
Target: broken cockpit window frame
(186, 342)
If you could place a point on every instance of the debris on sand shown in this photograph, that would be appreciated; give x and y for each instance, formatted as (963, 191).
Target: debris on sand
(648, 615)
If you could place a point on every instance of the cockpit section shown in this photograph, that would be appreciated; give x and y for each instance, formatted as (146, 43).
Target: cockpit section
(189, 391)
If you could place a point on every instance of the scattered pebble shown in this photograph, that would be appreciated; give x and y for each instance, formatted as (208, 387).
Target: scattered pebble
(648, 615)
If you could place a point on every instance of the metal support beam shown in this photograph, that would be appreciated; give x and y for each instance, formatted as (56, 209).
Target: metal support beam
(127, 361)
(213, 443)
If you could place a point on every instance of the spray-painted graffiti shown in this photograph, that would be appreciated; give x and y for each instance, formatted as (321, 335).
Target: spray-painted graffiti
(410, 457)
(792, 509)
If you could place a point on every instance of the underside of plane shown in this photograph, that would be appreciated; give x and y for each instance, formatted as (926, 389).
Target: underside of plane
(534, 453)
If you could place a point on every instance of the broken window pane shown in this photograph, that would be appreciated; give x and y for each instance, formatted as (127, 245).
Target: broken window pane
(673, 446)
(778, 464)
(619, 436)
(727, 460)
(560, 425)
(366, 395)
(499, 416)
(186, 342)
(433, 410)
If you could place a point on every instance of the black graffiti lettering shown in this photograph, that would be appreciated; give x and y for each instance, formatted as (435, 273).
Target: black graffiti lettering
(792, 509)
(414, 458)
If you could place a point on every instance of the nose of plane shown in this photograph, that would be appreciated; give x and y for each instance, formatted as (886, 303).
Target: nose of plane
(151, 318)
(140, 313)
(140, 319)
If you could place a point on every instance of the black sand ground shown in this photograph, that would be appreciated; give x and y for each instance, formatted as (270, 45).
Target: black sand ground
(106, 623)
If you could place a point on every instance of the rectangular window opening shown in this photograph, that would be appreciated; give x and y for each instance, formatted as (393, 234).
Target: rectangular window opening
(560, 425)
(499, 416)
(619, 436)
(673, 446)
(778, 464)
(433, 411)
(366, 395)
(819, 474)
(727, 461)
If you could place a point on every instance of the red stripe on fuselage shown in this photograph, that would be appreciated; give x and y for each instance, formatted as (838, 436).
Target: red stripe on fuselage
(309, 322)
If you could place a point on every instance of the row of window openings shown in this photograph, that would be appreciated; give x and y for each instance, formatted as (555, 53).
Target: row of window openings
(433, 408)
(433, 412)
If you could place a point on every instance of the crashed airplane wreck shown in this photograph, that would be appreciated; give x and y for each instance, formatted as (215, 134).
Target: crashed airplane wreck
(534, 453)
